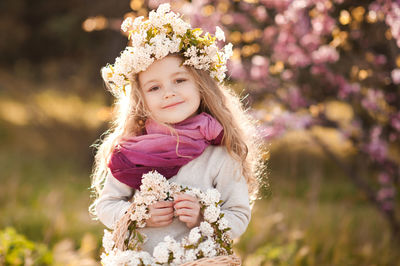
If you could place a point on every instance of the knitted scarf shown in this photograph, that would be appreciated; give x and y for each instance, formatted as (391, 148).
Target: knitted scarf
(158, 149)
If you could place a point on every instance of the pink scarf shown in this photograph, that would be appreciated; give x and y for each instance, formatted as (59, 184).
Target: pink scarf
(156, 150)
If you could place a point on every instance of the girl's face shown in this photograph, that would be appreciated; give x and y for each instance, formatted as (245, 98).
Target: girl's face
(169, 90)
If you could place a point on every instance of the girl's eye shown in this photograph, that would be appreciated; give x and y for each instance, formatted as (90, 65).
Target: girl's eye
(180, 80)
(154, 88)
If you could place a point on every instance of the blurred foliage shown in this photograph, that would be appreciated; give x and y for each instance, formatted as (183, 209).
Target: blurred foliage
(40, 30)
(15, 249)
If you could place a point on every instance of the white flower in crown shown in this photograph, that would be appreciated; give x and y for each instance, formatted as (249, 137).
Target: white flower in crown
(126, 24)
(219, 34)
(163, 33)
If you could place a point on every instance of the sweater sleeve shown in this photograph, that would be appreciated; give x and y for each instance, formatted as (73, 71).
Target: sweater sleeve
(113, 201)
(234, 194)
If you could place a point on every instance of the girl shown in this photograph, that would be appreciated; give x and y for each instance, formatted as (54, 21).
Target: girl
(173, 116)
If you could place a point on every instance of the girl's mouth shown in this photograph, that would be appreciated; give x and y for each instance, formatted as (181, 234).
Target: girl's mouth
(172, 105)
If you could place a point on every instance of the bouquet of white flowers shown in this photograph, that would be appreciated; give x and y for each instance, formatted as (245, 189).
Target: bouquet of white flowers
(209, 240)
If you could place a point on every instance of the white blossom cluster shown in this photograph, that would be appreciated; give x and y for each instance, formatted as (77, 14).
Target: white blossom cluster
(209, 239)
(162, 34)
(154, 188)
(115, 257)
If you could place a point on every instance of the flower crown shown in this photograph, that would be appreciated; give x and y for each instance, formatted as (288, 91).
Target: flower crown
(164, 33)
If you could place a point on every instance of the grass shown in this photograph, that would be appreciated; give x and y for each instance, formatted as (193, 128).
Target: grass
(47, 200)
(316, 234)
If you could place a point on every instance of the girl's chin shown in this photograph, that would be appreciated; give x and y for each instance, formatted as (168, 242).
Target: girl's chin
(176, 117)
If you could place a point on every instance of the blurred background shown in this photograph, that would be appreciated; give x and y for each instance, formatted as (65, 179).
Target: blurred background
(322, 77)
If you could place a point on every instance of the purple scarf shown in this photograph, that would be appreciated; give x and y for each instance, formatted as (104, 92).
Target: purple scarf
(156, 150)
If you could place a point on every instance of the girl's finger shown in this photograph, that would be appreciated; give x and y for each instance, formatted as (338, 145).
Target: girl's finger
(162, 218)
(186, 212)
(162, 204)
(181, 197)
(187, 205)
(186, 219)
(160, 212)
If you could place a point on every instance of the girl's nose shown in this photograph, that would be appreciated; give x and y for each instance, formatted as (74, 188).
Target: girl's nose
(169, 91)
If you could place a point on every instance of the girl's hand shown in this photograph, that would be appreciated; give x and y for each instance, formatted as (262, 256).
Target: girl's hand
(187, 208)
(162, 213)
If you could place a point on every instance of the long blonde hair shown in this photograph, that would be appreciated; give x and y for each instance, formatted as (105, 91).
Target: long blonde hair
(240, 134)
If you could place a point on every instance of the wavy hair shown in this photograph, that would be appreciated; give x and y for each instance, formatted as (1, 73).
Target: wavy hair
(240, 133)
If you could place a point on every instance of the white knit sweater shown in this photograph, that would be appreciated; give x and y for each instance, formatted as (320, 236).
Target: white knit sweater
(214, 168)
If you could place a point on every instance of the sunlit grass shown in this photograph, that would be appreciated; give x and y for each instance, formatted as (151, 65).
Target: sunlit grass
(298, 230)
(45, 199)
(48, 106)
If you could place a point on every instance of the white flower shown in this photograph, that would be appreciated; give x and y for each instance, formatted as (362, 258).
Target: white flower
(137, 22)
(206, 229)
(219, 34)
(211, 213)
(223, 223)
(212, 52)
(140, 213)
(156, 184)
(180, 27)
(197, 192)
(211, 196)
(106, 73)
(176, 249)
(194, 235)
(128, 257)
(174, 188)
(108, 242)
(163, 8)
(126, 24)
(161, 253)
(191, 52)
(138, 37)
(190, 255)
(140, 199)
(146, 258)
(208, 247)
(228, 51)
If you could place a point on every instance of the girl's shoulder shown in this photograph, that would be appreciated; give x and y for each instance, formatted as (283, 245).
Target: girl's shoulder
(218, 154)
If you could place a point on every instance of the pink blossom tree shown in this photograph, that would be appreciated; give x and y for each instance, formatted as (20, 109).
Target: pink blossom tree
(299, 54)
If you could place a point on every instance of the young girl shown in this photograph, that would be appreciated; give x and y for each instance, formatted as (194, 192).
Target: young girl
(174, 116)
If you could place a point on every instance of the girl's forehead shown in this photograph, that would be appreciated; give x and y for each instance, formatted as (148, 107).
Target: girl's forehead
(165, 67)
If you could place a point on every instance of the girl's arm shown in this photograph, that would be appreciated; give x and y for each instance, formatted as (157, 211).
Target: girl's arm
(234, 193)
(113, 201)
